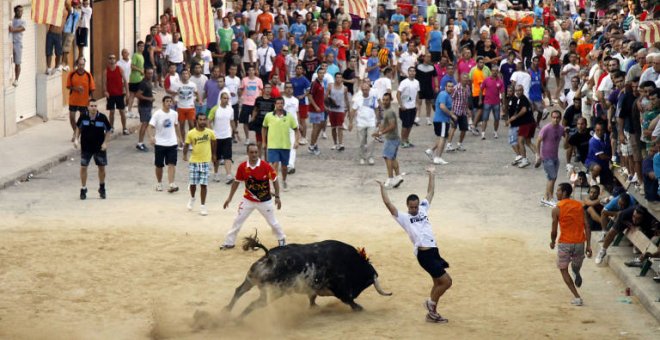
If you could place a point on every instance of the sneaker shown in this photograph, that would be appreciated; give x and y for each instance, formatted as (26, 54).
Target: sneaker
(324, 135)
(141, 147)
(229, 179)
(428, 121)
(379, 139)
(316, 150)
(340, 147)
(523, 163)
(483, 135)
(633, 263)
(634, 179)
(202, 210)
(291, 170)
(578, 279)
(495, 134)
(216, 177)
(416, 120)
(362, 161)
(310, 149)
(227, 246)
(405, 145)
(125, 132)
(180, 147)
(460, 148)
(435, 318)
(538, 162)
(450, 148)
(285, 186)
(601, 255)
(83, 193)
(577, 302)
(247, 142)
(430, 306)
(173, 188)
(371, 161)
(388, 183)
(475, 131)
(65, 68)
(517, 160)
(601, 239)
(302, 141)
(281, 243)
(102, 192)
(14, 83)
(397, 181)
(429, 154)
(159, 187)
(191, 201)
(334, 147)
(49, 71)
(439, 160)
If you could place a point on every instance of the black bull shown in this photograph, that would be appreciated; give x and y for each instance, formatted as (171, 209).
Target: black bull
(327, 268)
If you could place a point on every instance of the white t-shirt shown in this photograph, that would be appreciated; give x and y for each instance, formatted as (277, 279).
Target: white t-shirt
(606, 86)
(166, 39)
(366, 109)
(174, 52)
(250, 45)
(418, 227)
(165, 125)
(200, 82)
(524, 79)
(382, 84)
(125, 66)
(232, 84)
(222, 122)
(264, 55)
(572, 71)
(291, 106)
(224, 90)
(252, 18)
(86, 16)
(407, 60)
(409, 90)
(207, 58)
(185, 94)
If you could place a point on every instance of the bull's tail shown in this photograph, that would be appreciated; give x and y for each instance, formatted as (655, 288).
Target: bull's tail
(252, 242)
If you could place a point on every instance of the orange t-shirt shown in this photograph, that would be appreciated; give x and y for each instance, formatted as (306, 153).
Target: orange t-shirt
(265, 21)
(582, 50)
(571, 221)
(86, 80)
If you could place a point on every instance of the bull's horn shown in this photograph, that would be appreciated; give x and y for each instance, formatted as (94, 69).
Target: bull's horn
(378, 288)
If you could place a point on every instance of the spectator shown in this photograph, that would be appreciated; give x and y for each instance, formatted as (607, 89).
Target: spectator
(16, 29)
(165, 136)
(114, 90)
(82, 33)
(137, 73)
(54, 44)
(80, 84)
(69, 32)
(548, 154)
(145, 96)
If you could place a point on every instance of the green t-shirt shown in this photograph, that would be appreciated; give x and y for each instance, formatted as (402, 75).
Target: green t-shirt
(278, 130)
(389, 118)
(226, 36)
(537, 33)
(137, 61)
(431, 12)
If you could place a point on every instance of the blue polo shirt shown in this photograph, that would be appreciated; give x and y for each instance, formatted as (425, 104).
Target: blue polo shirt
(598, 146)
(441, 116)
(300, 86)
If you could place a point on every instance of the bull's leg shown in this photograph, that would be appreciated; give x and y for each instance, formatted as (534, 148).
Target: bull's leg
(312, 300)
(240, 290)
(354, 306)
(258, 303)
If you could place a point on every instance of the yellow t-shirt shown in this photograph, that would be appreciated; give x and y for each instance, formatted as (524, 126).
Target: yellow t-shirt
(201, 143)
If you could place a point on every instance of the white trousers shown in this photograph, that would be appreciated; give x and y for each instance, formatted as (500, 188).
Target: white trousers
(292, 154)
(245, 208)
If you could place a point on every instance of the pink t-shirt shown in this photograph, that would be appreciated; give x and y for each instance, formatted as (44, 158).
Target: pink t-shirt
(251, 90)
(464, 66)
(550, 136)
(492, 89)
(440, 71)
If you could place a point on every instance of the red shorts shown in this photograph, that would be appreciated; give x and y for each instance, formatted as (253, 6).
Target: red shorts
(259, 137)
(186, 114)
(336, 118)
(303, 110)
(527, 130)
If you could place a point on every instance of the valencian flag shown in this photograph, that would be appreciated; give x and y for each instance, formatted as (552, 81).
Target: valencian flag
(195, 22)
(357, 7)
(649, 31)
(48, 12)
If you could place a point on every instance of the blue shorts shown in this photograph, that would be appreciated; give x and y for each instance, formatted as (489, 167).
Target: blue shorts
(316, 117)
(390, 148)
(279, 156)
(487, 109)
(198, 173)
(513, 135)
(551, 167)
(200, 109)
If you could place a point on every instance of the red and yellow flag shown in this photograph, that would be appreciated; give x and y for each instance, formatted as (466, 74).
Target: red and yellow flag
(195, 22)
(48, 12)
(357, 7)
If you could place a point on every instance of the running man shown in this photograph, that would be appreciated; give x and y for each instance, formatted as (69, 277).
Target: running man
(257, 175)
(204, 151)
(418, 227)
(569, 215)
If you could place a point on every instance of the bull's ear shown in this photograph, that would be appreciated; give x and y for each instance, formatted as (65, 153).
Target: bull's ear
(363, 253)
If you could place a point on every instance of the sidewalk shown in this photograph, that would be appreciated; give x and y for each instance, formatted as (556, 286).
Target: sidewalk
(41, 147)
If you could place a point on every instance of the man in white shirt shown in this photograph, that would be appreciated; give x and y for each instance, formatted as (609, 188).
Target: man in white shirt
(291, 105)
(165, 137)
(363, 113)
(82, 31)
(407, 95)
(406, 60)
(250, 51)
(233, 83)
(124, 63)
(652, 73)
(199, 80)
(522, 78)
(416, 224)
(252, 16)
(174, 52)
(221, 117)
(187, 96)
(265, 57)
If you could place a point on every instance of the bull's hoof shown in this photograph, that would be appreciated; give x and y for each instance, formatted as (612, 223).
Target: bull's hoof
(356, 307)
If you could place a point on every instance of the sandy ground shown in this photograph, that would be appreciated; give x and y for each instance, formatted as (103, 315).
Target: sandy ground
(139, 265)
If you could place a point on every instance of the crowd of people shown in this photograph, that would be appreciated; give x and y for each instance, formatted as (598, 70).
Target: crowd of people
(554, 69)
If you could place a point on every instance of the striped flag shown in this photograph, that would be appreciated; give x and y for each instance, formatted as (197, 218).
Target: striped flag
(48, 12)
(357, 7)
(649, 31)
(195, 22)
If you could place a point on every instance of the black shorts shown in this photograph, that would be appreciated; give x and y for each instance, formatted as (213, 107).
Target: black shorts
(81, 109)
(100, 158)
(235, 107)
(407, 117)
(81, 36)
(441, 129)
(436, 56)
(145, 113)
(115, 102)
(223, 149)
(461, 123)
(133, 87)
(426, 93)
(475, 103)
(556, 69)
(431, 261)
(164, 155)
(246, 112)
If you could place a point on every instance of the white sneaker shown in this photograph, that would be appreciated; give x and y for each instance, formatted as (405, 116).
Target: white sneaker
(49, 71)
(388, 183)
(371, 161)
(285, 187)
(302, 141)
(577, 302)
(202, 210)
(216, 177)
(247, 142)
(517, 160)
(439, 160)
(450, 148)
(159, 187)
(495, 135)
(229, 179)
(483, 135)
(324, 135)
(416, 119)
(65, 68)
(362, 161)
(460, 148)
(429, 154)
(191, 201)
(428, 121)
(601, 255)
(334, 147)
(397, 181)
(523, 163)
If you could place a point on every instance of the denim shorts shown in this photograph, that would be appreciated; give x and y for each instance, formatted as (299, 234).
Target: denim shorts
(316, 117)
(487, 109)
(279, 156)
(513, 135)
(390, 148)
(551, 167)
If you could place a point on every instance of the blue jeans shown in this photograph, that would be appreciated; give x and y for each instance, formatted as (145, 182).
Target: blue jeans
(488, 108)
